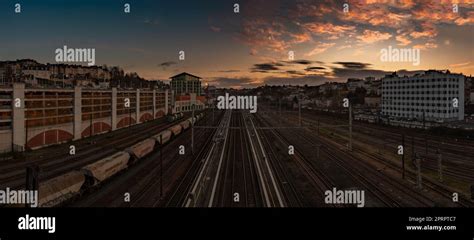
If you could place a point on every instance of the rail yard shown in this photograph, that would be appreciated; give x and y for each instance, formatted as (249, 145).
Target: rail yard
(234, 158)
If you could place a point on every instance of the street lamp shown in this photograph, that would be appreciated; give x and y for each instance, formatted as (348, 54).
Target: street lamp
(192, 129)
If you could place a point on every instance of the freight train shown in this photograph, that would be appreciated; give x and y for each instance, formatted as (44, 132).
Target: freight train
(59, 189)
(174, 117)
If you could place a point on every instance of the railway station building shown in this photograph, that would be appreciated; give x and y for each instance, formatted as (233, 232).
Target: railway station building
(185, 83)
(36, 117)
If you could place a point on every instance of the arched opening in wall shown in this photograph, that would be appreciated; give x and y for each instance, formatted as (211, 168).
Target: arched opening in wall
(146, 117)
(159, 114)
(125, 122)
(48, 137)
(97, 127)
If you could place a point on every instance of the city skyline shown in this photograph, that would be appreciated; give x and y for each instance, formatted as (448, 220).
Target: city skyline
(249, 48)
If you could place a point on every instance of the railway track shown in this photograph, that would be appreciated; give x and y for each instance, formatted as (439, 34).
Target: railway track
(456, 163)
(268, 182)
(427, 183)
(304, 195)
(141, 180)
(203, 187)
(379, 186)
(238, 186)
(60, 161)
(147, 188)
(236, 172)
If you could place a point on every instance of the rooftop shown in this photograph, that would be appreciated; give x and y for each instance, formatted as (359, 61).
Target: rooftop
(185, 73)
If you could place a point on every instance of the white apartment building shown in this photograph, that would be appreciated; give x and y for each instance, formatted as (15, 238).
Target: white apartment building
(428, 96)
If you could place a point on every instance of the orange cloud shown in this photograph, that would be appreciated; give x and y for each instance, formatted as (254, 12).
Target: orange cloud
(301, 38)
(370, 36)
(403, 40)
(322, 47)
(426, 46)
(260, 33)
(333, 31)
(457, 65)
(428, 31)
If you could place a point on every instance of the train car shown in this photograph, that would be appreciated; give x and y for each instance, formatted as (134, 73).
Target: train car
(185, 124)
(165, 136)
(59, 189)
(176, 129)
(142, 148)
(105, 168)
(170, 118)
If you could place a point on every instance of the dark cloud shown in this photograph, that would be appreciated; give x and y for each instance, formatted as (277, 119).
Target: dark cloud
(266, 67)
(275, 66)
(314, 69)
(167, 64)
(344, 73)
(293, 72)
(310, 80)
(354, 65)
(228, 71)
(301, 61)
(224, 82)
(151, 22)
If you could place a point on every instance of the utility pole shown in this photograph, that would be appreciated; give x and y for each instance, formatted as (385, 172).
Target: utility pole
(318, 150)
(440, 165)
(426, 143)
(350, 127)
(318, 128)
(403, 156)
(32, 179)
(424, 122)
(161, 167)
(192, 131)
(279, 109)
(129, 116)
(26, 135)
(418, 172)
(299, 110)
(91, 130)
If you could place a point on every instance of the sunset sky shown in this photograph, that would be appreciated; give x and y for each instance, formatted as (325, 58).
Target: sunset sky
(249, 48)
